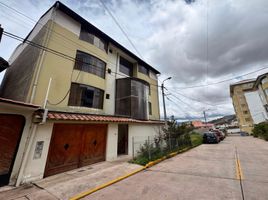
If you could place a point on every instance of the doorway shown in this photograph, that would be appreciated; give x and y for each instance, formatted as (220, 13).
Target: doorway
(75, 145)
(11, 127)
(122, 144)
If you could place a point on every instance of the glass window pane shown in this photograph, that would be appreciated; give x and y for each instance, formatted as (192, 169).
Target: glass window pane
(86, 96)
(126, 67)
(89, 63)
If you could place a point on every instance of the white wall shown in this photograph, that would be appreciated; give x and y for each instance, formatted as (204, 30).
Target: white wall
(140, 133)
(109, 104)
(35, 168)
(256, 108)
(111, 145)
(67, 22)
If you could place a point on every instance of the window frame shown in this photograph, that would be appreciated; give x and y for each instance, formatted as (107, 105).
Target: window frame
(79, 65)
(79, 88)
(143, 70)
(85, 33)
(128, 67)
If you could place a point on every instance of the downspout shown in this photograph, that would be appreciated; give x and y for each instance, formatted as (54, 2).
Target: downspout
(43, 54)
(30, 138)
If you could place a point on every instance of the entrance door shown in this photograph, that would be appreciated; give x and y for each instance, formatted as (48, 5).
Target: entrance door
(122, 145)
(75, 145)
(11, 127)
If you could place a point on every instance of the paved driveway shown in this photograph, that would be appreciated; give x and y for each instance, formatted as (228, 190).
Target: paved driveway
(207, 172)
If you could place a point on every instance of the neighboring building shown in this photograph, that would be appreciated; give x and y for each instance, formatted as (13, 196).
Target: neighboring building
(15, 132)
(240, 104)
(101, 95)
(200, 124)
(261, 85)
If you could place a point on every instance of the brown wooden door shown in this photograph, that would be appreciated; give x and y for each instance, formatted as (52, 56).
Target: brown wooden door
(11, 127)
(75, 145)
(94, 145)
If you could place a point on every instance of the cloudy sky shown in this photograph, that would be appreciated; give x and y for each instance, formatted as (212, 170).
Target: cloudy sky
(197, 42)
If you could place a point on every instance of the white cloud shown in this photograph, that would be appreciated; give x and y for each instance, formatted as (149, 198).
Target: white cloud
(172, 36)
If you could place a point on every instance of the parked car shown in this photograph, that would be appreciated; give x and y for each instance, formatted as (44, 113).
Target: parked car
(210, 138)
(243, 133)
(219, 134)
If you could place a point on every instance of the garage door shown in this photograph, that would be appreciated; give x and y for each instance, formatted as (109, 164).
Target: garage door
(75, 145)
(11, 127)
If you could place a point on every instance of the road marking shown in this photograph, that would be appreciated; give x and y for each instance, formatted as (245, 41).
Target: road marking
(239, 173)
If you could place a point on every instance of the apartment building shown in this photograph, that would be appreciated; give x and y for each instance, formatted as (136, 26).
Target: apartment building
(96, 95)
(261, 85)
(237, 92)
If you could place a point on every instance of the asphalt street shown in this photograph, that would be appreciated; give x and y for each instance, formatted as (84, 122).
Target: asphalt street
(237, 168)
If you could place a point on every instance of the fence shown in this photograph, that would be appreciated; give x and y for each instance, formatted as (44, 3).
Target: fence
(152, 148)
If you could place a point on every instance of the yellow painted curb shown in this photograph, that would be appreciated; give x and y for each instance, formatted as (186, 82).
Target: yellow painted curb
(83, 194)
(148, 165)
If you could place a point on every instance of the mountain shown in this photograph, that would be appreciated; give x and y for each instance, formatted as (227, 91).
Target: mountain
(226, 119)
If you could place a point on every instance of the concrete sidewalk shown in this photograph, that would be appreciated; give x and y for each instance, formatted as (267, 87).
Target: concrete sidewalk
(68, 184)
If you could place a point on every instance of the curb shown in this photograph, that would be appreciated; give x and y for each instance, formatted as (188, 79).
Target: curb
(148, 165)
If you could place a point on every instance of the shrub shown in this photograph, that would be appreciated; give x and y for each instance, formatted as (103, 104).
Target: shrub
(261, 130)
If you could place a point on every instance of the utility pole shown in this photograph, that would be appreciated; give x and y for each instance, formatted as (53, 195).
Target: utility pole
(164, 106)
(204, 112)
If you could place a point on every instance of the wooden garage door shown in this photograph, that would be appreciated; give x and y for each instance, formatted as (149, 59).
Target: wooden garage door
(75, 145)
(11, 127)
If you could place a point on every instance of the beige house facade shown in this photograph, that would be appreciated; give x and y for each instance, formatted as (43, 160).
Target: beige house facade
(95, 95)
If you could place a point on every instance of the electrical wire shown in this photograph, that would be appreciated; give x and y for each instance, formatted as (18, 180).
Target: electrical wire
(222, 81)
(120, 27)
(65, 56)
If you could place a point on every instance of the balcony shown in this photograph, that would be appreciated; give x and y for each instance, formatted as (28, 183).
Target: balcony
(132, 98)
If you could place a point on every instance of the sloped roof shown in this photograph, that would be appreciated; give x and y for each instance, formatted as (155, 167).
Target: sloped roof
(20, 103)
(96, 118)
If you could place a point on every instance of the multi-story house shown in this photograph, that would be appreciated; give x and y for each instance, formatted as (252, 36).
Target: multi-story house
(99, 95)
(237, 92)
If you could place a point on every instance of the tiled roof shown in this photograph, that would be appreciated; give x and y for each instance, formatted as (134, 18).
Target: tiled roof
(96, 118)
(199, 124)
(20, 103)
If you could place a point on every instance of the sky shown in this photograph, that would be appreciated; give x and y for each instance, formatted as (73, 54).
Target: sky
(196, 42)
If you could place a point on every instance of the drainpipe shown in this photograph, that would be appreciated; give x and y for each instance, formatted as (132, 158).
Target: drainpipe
(40, 63)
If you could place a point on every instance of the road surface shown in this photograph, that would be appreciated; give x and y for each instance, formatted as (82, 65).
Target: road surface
(237, 168)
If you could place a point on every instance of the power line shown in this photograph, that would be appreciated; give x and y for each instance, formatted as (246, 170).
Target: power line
(193, 99)
(62, 55)
(222, 81)
(120, 27)
(50, 29)
(58, 53)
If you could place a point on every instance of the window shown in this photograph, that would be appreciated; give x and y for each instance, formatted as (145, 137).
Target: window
(264, 80)
(90, 64)
(150, 108)
(153, 75)
(86, 96)
(245, 112)
(143, 70)
(92, 38)
(126, 67)
(247, 119)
